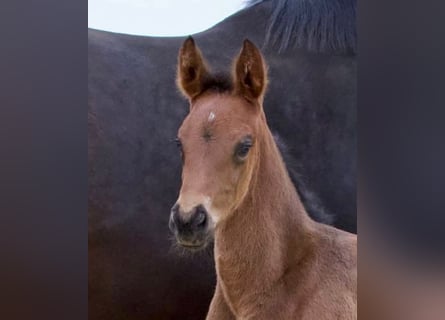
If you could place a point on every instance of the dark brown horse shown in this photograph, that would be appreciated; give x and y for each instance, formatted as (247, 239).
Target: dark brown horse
(272, 260)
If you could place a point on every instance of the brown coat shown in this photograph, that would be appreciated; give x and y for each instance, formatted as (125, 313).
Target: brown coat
(272, 260)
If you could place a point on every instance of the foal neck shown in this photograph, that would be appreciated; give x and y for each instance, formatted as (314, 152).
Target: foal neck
(267, 233)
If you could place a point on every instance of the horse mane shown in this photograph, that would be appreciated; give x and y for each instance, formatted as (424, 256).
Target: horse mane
(317, 25)
(217, 82)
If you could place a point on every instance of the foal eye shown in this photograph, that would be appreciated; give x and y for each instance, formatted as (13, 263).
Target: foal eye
(243, 151)
(243, 148)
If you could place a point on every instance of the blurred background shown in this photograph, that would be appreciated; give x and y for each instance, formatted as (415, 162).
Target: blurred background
(159, 18)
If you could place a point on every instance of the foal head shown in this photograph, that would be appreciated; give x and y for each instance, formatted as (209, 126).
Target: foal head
(217, 141)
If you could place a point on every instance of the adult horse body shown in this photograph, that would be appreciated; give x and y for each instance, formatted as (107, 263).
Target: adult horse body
(134, 167)
(272, 260)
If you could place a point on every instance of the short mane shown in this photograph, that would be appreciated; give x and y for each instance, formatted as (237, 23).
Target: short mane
(317, 25)
(218, 82)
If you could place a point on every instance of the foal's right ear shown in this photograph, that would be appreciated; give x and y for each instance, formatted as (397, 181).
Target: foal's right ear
(192, 69)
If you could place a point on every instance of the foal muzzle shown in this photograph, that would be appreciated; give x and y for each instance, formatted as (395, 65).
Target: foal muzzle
(190, 228)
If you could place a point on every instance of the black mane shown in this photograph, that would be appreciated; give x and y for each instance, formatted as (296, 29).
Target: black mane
(219, 82)
(318, 25)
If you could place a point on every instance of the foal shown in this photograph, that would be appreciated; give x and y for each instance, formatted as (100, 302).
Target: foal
(272, 260)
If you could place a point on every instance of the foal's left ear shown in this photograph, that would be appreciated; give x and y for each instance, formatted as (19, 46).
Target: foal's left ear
(250, 72)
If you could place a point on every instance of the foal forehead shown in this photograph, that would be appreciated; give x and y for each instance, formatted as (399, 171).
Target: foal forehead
(216, 116)
(218, 111)
(222, 103)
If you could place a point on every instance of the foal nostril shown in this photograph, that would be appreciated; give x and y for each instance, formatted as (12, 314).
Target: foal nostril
(200, 217)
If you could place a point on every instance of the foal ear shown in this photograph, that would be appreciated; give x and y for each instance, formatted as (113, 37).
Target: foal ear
(191, 69)
(250, 72)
